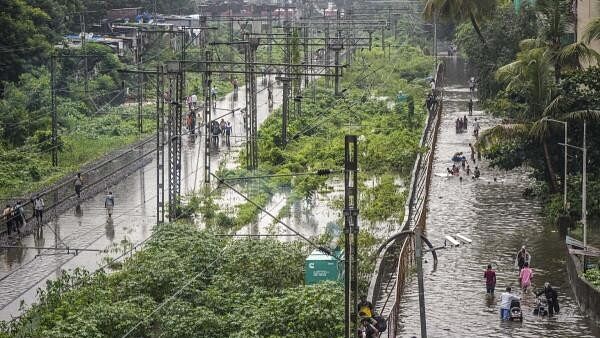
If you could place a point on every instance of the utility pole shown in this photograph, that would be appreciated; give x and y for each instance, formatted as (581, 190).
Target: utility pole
(174, 130)
(83, 33)
(140, 80)
(160, 143)
(435, 45)
(285, 107)
(251, 104)
(54, 115)
(337, 47)
(419, 263)
(207, 115)
(584, 197)
(351, 231)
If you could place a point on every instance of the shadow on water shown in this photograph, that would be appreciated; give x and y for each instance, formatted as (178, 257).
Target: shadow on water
(500, 220)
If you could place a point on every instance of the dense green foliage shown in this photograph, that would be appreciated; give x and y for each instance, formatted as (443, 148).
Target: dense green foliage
(593, 276)
(244, 288)
(503, 31)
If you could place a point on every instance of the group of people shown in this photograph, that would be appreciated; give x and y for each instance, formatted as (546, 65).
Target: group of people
(15, 218)
(452, 49)
(460, 163)
(462, 124)
(522, 262)
(222, 128)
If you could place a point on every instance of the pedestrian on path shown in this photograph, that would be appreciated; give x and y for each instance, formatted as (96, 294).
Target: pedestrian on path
(523, 257)
(8, 219)
(78, 185)
(19, 214)
(38, 209)
(490, 280)
(472, 152)
(525, 276)
(213, 94)
(505, 299)
(476, 173)
(194, 100)
(551, 298)
(476, 129)
(470, 107)
(228, 133)
(223, 128)
(109, 203)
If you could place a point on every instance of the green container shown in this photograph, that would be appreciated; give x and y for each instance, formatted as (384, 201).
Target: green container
(319, 267)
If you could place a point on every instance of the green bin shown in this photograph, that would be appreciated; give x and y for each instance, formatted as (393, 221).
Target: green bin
(319, 267)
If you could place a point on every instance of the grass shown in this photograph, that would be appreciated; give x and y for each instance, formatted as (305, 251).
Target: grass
(25, 172)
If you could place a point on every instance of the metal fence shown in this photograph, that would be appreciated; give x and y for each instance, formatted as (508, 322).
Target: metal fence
(394, 261)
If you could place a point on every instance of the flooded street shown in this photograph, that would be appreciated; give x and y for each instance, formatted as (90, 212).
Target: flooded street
(23, 271)
(499, 220)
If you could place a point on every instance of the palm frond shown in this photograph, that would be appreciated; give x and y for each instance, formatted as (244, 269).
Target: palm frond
(553, 108)
(577, 52)
(588, 115)
(503, 132)
(539, 129)
(592, 31)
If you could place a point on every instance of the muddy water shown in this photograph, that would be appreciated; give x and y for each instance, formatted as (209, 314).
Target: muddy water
(499, 220)
(23, 271)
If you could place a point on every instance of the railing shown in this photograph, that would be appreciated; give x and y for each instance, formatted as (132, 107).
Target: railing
(396, 258)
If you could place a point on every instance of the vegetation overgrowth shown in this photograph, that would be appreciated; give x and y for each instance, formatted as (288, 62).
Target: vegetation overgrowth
(227, 288)
(593, 276)
(389, 134)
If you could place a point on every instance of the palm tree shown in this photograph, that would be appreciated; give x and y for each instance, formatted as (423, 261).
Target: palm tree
(555, 21)
(460, 10)
(530, 76)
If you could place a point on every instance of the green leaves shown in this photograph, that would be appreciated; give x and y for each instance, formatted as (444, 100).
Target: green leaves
(250, 288)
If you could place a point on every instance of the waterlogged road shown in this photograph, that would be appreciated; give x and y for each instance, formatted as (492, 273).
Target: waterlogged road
(499, 220)
(87, 225)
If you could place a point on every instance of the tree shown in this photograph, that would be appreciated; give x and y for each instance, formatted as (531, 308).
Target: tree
(529, 79)
(461, 10)
(504, 30)
(22, 42)
(555, 20)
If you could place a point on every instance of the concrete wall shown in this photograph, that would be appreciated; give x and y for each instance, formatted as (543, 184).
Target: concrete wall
(586, 11)
(587, 296)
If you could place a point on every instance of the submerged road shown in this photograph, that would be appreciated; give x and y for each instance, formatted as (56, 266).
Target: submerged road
(499, 220)
(87, 225)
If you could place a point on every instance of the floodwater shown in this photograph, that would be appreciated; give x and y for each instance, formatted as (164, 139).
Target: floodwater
(23, 271)
(499, 220)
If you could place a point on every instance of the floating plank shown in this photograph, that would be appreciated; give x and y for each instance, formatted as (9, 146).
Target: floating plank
(464, 239)
(453, 241)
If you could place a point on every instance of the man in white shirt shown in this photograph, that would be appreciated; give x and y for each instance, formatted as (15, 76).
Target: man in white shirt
(505, 299)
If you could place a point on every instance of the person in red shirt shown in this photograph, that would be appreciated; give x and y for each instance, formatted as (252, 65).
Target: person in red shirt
(490, 279)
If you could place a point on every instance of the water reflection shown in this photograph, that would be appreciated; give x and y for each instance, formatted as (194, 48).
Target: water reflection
(78, 210)
(109, 229)
(38, 238)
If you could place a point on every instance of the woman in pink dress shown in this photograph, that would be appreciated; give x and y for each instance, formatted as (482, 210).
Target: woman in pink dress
(525, 277)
